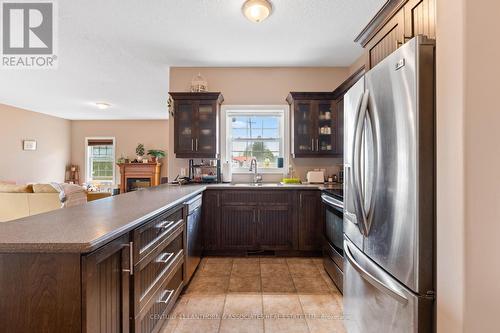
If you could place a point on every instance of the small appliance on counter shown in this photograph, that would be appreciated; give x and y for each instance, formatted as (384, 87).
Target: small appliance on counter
(205, 171)
(315, 177)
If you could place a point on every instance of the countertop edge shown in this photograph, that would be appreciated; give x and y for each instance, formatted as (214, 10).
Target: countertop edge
(83, 248)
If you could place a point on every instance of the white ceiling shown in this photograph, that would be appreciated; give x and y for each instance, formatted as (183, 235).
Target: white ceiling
(120, 51)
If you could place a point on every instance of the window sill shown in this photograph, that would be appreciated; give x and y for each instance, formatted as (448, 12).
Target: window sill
(269, 171)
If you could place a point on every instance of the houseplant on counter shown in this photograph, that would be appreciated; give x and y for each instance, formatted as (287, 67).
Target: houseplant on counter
(156, 154)
(139, 151)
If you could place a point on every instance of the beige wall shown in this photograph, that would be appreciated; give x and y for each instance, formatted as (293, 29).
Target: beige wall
(259, 86)
(468, 287)
(360, 62)
(128, 133)
(482, 149)
(450, 167)
(48, 162)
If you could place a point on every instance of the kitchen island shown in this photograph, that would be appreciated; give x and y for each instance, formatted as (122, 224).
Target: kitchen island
(118, 264)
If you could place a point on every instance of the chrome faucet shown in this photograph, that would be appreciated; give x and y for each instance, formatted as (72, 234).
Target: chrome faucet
(256, 177)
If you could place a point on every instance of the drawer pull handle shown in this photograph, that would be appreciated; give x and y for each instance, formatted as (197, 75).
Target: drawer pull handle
(164, 299)
(164, 257)
(164, 224)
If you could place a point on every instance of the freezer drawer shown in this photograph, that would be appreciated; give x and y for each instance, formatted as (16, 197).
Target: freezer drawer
(376, 302)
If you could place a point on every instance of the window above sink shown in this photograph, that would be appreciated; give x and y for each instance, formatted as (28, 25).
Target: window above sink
(259, 132)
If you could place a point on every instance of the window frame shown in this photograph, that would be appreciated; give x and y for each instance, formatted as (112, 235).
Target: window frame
(88, 177)
(255, 110)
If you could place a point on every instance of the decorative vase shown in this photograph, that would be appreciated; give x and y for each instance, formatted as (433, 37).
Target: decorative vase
(139, 158)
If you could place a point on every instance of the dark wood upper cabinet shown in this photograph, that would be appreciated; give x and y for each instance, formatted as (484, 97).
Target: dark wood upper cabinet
(396, 22)
(315, 125)
(196, 124)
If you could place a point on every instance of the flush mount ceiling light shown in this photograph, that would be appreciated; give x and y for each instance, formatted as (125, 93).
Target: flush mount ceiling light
(257, 10)
(102, 105)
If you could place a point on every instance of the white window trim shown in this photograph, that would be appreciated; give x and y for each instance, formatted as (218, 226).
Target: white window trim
(256, 109)
(87, 171)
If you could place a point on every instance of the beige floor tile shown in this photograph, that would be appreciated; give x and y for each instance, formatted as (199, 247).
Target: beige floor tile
(298, 260)
(208, 285)
(313, 285)
(321, 305)
(303, 270)
(197, 326)
(272, 260)
(246, 284)
(242, 326)
(285, 326)
(246, 260)
(216, 269)
(288, 305)
(243, 306)
(274, 270)
(283, 285)
(204, 306)
(325, 326)
(219, 260)
(244, 269)
(317, 261)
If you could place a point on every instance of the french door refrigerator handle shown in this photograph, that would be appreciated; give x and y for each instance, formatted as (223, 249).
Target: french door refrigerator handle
(356, 157)
(347, 213)
(380, 282)
(369, 213)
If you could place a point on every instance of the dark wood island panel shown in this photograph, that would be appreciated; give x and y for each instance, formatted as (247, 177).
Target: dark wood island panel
(40, 292)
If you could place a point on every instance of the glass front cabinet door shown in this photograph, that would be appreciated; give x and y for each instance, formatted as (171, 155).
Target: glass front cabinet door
(316, 124)
(196, 119)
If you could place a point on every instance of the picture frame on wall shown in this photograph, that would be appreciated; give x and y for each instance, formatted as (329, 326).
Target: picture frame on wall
(29, 144)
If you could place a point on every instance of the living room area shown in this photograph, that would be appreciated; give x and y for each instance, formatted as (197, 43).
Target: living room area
(52, 162)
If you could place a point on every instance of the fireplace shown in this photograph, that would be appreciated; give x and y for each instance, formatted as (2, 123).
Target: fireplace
(134, 184)
(136, 176)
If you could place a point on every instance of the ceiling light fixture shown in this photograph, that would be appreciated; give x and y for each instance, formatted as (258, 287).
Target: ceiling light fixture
(257, 10)
(102, 105)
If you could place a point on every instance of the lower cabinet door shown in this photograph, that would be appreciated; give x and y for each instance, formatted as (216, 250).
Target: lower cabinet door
(105, 291)
(310, 220)
(276, 228)
(239, 227)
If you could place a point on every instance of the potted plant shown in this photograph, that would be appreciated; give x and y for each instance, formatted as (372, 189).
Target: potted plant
(139, 151)
(156, 154)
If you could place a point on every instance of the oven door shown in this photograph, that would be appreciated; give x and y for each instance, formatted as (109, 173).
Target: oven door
(334, 228)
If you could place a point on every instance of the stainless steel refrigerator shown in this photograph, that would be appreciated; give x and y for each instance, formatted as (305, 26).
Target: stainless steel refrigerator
(389, 198)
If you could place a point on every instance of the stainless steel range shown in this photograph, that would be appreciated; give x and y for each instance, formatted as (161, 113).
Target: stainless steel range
(333, 253)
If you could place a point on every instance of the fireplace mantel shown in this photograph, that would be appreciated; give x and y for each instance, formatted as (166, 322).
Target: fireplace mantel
(138, 171)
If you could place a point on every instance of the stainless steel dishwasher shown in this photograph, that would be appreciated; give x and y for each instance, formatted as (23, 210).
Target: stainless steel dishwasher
(193, 236)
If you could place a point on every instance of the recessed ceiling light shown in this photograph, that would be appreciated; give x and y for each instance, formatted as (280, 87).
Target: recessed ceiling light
(102, 105)
(257, 10)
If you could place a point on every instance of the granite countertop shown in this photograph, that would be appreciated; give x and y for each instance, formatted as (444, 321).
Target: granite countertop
(85, 228)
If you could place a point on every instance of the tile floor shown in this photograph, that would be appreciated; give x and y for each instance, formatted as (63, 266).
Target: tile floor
(240, 295)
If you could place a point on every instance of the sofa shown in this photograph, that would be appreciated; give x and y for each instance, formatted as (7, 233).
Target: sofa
(17, 201)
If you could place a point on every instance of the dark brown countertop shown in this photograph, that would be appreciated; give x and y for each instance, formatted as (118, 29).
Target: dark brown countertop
(85, 228)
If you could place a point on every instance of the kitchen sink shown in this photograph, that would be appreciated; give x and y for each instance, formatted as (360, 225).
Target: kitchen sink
(257, 184)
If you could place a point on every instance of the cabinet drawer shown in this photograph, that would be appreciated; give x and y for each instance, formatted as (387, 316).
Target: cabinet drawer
(150, 274)
(158, 307)
(153, 233)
